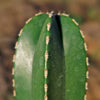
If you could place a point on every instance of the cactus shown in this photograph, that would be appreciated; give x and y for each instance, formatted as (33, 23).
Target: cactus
(50, 61)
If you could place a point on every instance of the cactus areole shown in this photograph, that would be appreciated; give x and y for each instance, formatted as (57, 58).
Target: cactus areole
(50, 62)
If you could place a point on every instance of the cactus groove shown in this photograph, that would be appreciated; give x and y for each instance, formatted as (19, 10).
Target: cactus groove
(50, 61)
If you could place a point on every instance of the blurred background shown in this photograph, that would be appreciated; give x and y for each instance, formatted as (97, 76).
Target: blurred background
(14, 13)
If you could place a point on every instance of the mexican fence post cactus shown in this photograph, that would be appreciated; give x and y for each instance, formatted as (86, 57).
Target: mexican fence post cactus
(50, 61)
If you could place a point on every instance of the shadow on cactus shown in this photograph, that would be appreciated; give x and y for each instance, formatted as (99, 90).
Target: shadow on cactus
(50, 61)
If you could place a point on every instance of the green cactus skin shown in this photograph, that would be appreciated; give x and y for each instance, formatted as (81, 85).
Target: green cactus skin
(50, 62)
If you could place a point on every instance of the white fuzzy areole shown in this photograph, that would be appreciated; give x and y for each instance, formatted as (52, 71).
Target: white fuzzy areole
(14, 58)
(45, 73)
(20, 32)
(85, 46)
(28, 20)
(86, 85)
(16, 45)
(45, 97)
(14, 93)
(82, 34)
(85, 97)
(48, 26)
(87, 61)
(47, 40)
(65, 14)
(45, 88)
(50, 13)
(87, 75)
(75, 22)
(39, 13)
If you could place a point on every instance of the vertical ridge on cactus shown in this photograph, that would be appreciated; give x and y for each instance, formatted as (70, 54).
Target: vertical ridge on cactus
(40, 63)
(27, 44)
(75, 60)
(50, 61)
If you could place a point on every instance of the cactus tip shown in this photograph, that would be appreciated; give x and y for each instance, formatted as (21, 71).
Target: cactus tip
(51, 13)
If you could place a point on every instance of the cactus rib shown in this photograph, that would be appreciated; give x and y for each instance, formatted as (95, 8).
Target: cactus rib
(24, 43)
(46, 60)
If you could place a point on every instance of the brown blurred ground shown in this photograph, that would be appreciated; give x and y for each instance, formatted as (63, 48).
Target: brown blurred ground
(14, 13)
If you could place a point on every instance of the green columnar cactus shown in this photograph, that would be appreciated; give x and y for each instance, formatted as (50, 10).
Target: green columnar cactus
(50, 62)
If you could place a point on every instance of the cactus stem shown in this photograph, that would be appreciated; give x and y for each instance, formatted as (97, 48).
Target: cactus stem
(12, 71)
(28, 20)
(14, 93)
(85, 46)
(87, 75)
(75, 22)
(13, 81)
(86, 85)
(82, 33)
(20, 32)
(87, 61)
(45, 52)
